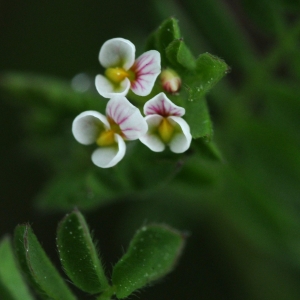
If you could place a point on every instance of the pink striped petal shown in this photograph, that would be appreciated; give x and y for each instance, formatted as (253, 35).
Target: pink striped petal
(108, 90)
(127, 116)
(106, 157)
(87, 126)
(182, 138)
(151, 138)
(161, 105)
(146, 69)
(117, 52)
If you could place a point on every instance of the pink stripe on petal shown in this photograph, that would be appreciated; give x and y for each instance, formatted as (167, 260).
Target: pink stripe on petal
(161, 105)
(127, 116)
(123, 120)
(146, 69)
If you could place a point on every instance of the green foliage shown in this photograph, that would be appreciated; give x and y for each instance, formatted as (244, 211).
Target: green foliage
(52, 104)
(151, 254)
(163, 37)
(78, 254)
(243, 212)
(179, 55)
(37, 266)
(12, 286)
(198, 76)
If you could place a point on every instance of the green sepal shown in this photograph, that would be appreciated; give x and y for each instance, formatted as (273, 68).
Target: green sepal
(78, 254)
(12, 285)
(179, 56)
(152, 253)
(37, 266)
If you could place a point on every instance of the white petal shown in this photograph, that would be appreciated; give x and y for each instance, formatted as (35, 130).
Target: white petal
(146, 68)
(161, 105)
(108, 90)
(87, 126)
(117, 52)
(151, 138)
(182, 138)
(106, 157)
(127, 116)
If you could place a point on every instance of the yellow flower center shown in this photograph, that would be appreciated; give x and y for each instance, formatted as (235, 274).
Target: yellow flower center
(106, 138)
(165, 130)
(116, 75)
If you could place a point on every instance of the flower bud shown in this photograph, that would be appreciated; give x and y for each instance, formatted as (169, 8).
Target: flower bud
(170, 80)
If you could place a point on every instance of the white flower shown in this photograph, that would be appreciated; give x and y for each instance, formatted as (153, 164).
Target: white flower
(123, 121)
(165, 125)
(124, 72)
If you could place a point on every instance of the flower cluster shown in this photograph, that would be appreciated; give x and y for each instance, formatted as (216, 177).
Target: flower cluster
(163, 123)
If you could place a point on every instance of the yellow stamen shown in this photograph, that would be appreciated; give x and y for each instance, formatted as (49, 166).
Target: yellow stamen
(106, 138)
(116, 75)
(165, 129)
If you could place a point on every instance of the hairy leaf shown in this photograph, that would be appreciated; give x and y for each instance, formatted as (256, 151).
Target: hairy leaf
(78, 254)
(180, 56)
(152, 253)
(37, 266)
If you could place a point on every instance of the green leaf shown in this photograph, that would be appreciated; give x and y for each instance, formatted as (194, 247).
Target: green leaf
(197, 116)
(180, 56)
(11, 281)
(78, 254)
(152, 253)
(167, 32)
(37, 266)
(209, 70)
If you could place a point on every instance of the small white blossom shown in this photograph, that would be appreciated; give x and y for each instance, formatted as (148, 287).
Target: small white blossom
(165, 126)
(122, 122)
(123, 72)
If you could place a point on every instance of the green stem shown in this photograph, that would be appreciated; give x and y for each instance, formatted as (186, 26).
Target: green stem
(106, 295)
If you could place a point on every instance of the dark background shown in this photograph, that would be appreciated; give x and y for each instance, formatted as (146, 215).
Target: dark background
(241, 244)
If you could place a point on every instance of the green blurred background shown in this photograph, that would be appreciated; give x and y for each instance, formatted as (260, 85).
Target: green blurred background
(242, 213)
